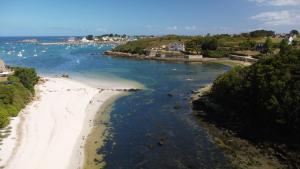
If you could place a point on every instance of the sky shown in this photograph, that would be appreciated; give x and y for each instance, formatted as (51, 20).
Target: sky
(145, 17)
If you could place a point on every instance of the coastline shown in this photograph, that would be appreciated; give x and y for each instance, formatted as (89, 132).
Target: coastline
(45, 135)
(242, 153)
(224, 61)
(97, 135)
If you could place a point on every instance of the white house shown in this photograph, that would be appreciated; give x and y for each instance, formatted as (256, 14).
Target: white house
(291, 39)
(85, 40)
(176, 46)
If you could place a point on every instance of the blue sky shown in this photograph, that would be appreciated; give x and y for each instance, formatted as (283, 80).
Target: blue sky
(189, 17)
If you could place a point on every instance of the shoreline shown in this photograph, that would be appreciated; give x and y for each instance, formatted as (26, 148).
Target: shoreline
(224, 61)
(97, 135)
(241, 152)
(49, 135)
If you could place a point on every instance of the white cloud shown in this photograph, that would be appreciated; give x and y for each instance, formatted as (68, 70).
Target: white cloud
(101, 30)
(149, 27)
(190, 28)
(278, 2)
(279, 18)
(172, 28)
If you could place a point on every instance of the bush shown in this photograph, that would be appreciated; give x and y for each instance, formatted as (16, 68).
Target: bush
(4, 117)
(247, 45)
(27, 76)
(263, 98)
(16, 93)
(210, 44)
(216, 53)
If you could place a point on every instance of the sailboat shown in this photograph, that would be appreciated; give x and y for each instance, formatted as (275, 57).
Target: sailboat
(35, 54)
(20, 54)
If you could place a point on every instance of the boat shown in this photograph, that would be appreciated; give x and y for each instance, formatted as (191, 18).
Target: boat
(20, 54)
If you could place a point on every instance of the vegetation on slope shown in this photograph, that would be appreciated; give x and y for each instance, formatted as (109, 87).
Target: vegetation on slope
(257, 44)
(263, 98)
(16, 92)
(142, 45)
(260, 103)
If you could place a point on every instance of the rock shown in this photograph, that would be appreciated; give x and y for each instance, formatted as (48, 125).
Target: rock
(151, 146)
(65, 75)
(177, 106)
(161, 142)
(133, 90)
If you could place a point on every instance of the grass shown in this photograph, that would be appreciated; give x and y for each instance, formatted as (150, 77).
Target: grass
(3, 79)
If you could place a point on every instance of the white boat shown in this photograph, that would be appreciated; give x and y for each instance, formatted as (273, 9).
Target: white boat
(20, 54)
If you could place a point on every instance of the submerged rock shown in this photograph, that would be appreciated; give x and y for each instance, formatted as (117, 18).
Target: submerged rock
(65, 75)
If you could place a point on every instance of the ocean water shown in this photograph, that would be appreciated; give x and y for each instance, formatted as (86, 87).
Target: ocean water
(140, 120)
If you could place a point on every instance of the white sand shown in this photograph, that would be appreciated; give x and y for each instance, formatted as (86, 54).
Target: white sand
(50, 132)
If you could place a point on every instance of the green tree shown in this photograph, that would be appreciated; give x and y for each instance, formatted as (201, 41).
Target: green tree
(27, 76)
(284, 47)
(90, 37)
(268, 46)
(294, 32)
(210, 44)
(247, 45)
(263, 98)
(261, 33)
(194, 46)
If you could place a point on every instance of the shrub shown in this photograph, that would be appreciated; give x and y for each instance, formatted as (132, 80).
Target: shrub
(4, 117)
(16, 93)
(27, 76)
(264, 97)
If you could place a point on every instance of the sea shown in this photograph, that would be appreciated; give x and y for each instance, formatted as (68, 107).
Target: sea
(139, 121)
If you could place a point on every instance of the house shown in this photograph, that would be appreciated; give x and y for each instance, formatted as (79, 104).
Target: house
(176, 46)
(291, 39)
(85, 40)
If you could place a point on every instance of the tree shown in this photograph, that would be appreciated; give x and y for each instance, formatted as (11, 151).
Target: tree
(284, 46)
(294, 32)
(268, 46)
(263, 98)
(247, 45)
(90, 37)
(210, 44)
(27, 76)
(295, 43)
(194, 46)
(261, 33)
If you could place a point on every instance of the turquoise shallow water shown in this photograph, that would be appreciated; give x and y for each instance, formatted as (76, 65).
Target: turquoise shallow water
(140, 120)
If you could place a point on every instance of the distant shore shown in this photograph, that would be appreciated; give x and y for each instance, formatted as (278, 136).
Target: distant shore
(81, 43)
(51, 132)
(225, 61)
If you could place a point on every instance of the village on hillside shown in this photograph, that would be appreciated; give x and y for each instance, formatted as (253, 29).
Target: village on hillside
(248, 47)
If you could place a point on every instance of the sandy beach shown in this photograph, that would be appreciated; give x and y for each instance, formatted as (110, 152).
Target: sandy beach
(51, 131)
